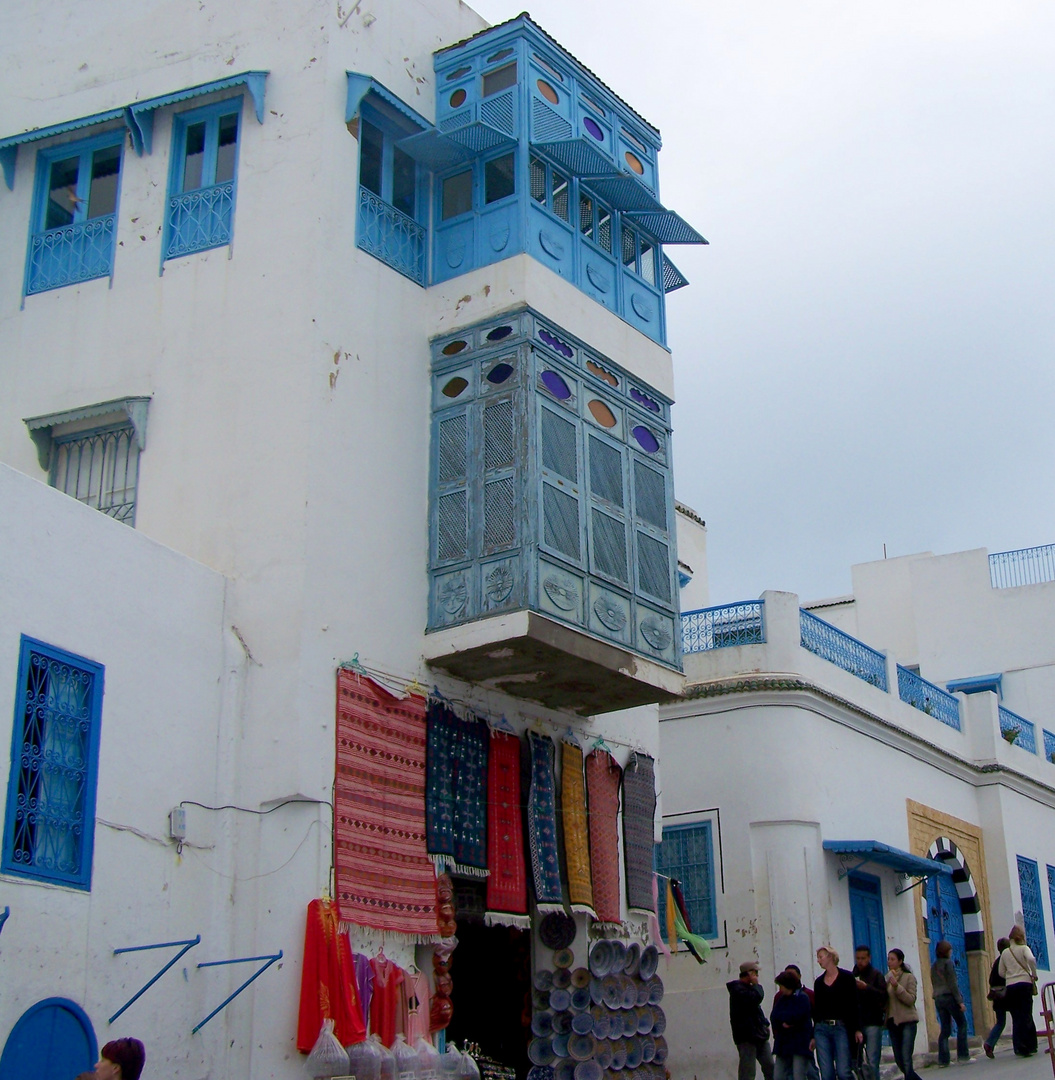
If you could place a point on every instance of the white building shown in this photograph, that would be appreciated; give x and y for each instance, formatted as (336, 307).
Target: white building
(858, 774)
(263, 273)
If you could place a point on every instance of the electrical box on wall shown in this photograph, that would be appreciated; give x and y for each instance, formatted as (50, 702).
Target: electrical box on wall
(178, 823)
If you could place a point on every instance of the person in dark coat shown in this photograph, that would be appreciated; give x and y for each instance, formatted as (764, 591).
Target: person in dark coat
(836, 1023)
(792, 1023)
(749, 1024)
(997, 995)
(871, 1004)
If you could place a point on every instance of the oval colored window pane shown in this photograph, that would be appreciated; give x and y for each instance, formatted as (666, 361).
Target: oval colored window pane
(548, 92)
(645, 439)
(642, 399)
(555, 342)
(601, 413)
(500, 55)
(601, 373)
(499, 332)
(457, 98)
(452, 348)
(555, 385)
(635, 163)
(454, 387)
(593, 128)
(499, 373)
(458, 73)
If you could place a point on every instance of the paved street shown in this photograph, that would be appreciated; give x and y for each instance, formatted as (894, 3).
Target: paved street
(1005, 1066)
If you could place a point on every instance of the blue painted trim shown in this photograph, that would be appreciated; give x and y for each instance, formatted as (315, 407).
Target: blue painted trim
(977, 684)
(61, 1003)
(239, 960)
(876, 852)
(707, 828)
(9, 146)
(187, 946)
(359, 86)
(82, 879)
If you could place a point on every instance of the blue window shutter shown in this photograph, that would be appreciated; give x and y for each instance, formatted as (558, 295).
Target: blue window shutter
(687, 854)
(452, 486)
(50, 823)
(561, 511)
(499, 481)
(1033, 909)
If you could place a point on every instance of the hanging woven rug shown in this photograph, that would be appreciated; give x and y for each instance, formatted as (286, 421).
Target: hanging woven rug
(576, 829)
(507, 885)
(542, 825)
(639, 815)
(602, 786)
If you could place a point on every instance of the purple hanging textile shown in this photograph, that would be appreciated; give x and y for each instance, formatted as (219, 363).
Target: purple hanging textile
(364, 981)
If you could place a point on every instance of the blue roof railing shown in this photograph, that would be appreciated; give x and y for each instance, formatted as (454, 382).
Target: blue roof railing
(928, 698)
(1017, 730)
(839, 648)
(1026, 566)
(722, 626)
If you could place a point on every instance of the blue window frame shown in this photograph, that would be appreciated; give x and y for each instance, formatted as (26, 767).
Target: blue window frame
(50, 822)
(203, 178)
(687, 854)
(74, 223)
(1033, 909)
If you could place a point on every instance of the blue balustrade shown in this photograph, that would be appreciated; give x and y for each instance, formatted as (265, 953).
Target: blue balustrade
(841, 649)
(925, 696)
(71, 253)
(1049, 745)
(722, 626)
(1017, 730)
(391, 236)
(201, 219)
(1026, 566)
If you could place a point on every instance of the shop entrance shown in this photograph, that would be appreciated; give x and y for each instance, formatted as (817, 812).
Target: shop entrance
(945, 922)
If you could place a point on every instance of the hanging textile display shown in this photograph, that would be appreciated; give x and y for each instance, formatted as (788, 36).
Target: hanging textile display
(507, 885)
(576, 829)
(456, 790)
(639, 825)
(327, 982)
(385, 1005)
(384, 877)
(602, 787)
(698, 946)
(542, 826)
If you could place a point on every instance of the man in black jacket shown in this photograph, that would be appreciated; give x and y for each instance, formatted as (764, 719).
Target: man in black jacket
(871, 1004)
(750, 1027)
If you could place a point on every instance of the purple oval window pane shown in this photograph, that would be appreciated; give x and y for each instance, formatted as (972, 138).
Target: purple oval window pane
(645, 439)
(641, 399)
(499, 373)
(593, 128)
(555, 342)
(556, 385)
(499, 332)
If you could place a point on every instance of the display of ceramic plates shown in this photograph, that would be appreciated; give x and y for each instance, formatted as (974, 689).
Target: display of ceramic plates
(557, 930)
(540, 999)
(611, 991)
(596, 991)
(661, 1050)
(659, 1020)
(580, 977)
(588, 1070)
(564, 1070)
(642, 992)
(540, 1072)
(563, 958)
(618, 953)
(629, 993)
(649, 961)
(582, 1023)
(648, 1048)
(618, 1054)
(633, 958)
(629, 1018)
(540, 1051)
(542, 1023)
(542, 980)
(601, 1023)
(559, 1000)
(561, 978)
(561, 1023)
(581, 1047)
(580, 998)
(601, 958)
(560, 1045)
(644, 1019)
(655, 990)
(603, 1057)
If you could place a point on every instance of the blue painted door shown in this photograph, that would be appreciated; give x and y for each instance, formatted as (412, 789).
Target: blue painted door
(945, 921)
(52, 1040)
(866, 917)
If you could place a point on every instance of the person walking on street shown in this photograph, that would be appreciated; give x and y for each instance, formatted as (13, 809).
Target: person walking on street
(835, 1016)
(1018, 966)
(902, 1017)
(792, 1028)
(871, 1004)
(749, 1024)
(997, 995)
(950, 1005)
(811, 1061)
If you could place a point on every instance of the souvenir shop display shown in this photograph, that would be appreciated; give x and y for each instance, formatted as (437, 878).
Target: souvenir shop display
(327, 1058)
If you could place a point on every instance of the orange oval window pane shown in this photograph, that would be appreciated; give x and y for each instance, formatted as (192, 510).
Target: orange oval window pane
(601, 373)
(601, 413)
(454, 387)
(452, 348)
(457, 98)
(635, 163)
(548, 92)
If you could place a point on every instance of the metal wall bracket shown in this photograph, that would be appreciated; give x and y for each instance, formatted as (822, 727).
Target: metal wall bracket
(188, 944)
(239, 960)
(3, 916)
(846, 871)
(902, 878)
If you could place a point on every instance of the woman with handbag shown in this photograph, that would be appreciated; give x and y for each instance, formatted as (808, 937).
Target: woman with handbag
(902, 1017)
(997, 994)
(1018, 966)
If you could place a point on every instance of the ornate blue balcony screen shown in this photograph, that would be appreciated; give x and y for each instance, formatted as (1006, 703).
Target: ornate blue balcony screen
(835, 645)
(391, 236)
(722, 626)
(1049, 745)
(1017, 730)
(1026, 566)
(925, 696)
(1033, 910)
(68, 255)
(200, 219)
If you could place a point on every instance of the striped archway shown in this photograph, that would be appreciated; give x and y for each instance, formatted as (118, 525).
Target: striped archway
(944, 850)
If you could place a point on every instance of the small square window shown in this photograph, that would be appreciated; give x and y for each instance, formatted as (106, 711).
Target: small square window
(499, 178)
(457, 194)
(502, 79)
(687, 854)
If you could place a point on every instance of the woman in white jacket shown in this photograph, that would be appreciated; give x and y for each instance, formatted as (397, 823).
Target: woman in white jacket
(1018, 966)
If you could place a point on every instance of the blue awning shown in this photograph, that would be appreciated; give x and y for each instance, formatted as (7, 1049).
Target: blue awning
(874, 851)
(9, 146)
(978, 684)
(406, 119)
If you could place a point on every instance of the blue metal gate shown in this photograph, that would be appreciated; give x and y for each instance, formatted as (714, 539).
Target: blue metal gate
(52, 1040)
(945, 922)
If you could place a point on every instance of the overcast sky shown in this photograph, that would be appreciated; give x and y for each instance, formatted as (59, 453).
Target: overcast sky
(864, 355)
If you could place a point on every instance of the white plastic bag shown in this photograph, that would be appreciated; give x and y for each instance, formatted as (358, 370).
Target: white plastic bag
(327, 1058)
(364, 1059)
(428, 1059)
(469, 1069)
(451, 1063)
(388, 1059)
(407, 1064)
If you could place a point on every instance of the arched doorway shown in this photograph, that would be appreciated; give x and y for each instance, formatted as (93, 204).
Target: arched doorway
(52, 1040)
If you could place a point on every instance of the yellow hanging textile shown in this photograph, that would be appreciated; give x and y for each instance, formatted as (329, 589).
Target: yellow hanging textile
(671, 913)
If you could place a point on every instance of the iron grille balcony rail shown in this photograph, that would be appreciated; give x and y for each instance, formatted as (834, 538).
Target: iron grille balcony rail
(70, 254)
(391, 236)
(200, 219)
(719, 627)
(1017, 730)
(839, 648)
(928, 698)
(1026, 566)
(1049, 746)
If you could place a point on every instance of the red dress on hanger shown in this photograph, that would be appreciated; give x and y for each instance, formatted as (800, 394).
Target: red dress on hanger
(384, 1005)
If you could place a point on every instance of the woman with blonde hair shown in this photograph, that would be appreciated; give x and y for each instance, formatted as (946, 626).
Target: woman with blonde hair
(1018, 966)
(836, 1022)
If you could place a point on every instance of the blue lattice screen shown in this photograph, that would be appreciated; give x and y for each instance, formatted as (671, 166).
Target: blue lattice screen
(687, 853)
(1033, 909)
